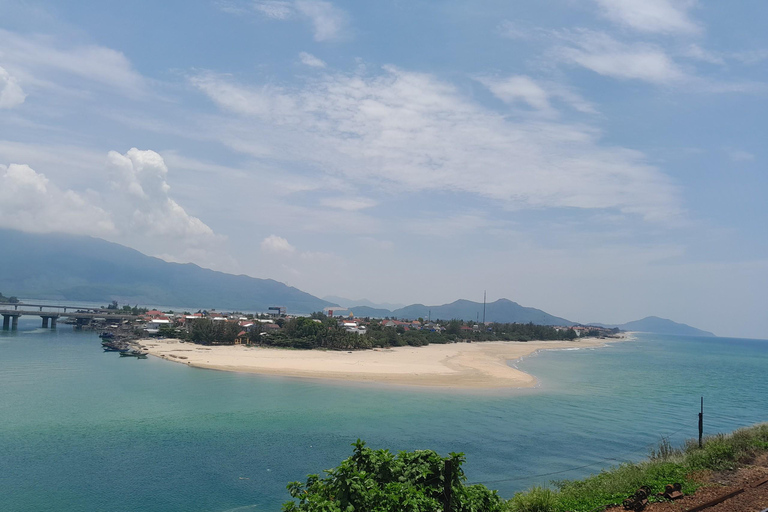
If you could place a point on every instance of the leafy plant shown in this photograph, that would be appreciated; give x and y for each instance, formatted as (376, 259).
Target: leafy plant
(378, 481)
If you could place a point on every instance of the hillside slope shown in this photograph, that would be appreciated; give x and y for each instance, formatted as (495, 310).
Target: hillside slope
(68, 267)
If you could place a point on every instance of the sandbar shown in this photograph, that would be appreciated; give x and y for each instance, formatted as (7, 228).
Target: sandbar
(479, 365)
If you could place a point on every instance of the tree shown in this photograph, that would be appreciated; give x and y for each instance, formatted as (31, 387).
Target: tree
(376, 480)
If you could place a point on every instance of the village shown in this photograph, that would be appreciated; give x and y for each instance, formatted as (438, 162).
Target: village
(259, 328)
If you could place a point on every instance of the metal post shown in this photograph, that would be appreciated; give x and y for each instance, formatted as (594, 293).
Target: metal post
(448, 484)
(701, 423)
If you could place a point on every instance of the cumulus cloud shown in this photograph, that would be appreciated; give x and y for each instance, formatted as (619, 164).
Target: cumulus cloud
(129, 204)
(404, 131)
(277, 245)
(657, 16)
(607, 56)
(30, 202)
(140, 176)
(11, 93)
(310, 60)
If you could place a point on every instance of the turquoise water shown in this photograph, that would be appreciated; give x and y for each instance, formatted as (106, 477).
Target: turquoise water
(81, 429)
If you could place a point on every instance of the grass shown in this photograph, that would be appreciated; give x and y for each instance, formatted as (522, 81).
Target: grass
(664, 466)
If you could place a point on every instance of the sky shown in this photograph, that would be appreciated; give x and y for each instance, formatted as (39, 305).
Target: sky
(603, 160)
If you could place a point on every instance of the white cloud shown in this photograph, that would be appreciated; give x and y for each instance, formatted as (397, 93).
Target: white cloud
(30, 202)
(520, 88)
(606, 56)
(696, 52)
(328, 20)
(140, 178)
(404, 132)
(276, 9)
(310, 60)
(42, 58)
(277, 244)
(11, 93)
(348, 203)
(657, 16)
(738, 155)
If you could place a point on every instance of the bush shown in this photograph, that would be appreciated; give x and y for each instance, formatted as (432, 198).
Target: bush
(377, 481)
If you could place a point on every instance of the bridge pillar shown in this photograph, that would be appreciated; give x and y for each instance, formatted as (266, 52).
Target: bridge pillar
(6, 322)
(45, 322)
(14, 322)
(53, 322)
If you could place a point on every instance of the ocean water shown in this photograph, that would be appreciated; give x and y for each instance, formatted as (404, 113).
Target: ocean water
(84, 430)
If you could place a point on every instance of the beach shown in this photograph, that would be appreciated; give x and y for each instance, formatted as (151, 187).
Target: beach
(479, 365)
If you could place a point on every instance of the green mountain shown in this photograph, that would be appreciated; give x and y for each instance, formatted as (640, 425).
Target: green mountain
(658, 325)
(68, 267)
(502, 310)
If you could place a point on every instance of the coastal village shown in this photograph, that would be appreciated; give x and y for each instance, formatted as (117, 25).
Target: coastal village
(155, 322)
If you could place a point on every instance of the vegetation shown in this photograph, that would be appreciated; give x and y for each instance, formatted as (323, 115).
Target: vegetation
(135, 310)
(11, 299)
(319, 331)
(207, 332)
(378, 481)
(665, 465)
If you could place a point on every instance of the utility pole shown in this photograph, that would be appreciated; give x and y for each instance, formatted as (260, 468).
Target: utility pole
(483, 307)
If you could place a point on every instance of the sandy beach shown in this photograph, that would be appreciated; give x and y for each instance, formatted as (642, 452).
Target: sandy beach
(455, 365)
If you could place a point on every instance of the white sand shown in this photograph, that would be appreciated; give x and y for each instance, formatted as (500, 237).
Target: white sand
(457, 365)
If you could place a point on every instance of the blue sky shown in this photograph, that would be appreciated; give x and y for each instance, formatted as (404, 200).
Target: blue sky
(602, 160)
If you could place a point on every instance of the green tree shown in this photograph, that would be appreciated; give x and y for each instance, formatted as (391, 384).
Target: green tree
(378, 481)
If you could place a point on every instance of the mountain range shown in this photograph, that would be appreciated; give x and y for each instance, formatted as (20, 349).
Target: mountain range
(81, 268)
(502, 310)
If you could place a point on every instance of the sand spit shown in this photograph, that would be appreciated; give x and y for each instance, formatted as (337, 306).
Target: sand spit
(456, 365)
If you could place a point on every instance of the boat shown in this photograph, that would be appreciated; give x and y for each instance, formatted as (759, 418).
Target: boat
(134, 353)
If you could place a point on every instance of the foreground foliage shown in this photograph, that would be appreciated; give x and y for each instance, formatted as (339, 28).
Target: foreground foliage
(666, 465)
(378, 481)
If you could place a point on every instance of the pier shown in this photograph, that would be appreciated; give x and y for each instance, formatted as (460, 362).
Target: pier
(50, 313)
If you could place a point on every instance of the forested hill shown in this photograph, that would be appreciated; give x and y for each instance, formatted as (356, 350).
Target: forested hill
(663, 326)
(502, 311)
(68, 267)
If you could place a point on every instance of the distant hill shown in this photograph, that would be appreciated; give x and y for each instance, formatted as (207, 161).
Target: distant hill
(350, 303)
(658, 325)
(68, 267)
(365, 312)
(502, 310)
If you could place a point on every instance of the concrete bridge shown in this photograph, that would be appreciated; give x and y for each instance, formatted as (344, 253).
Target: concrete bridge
(50, 313)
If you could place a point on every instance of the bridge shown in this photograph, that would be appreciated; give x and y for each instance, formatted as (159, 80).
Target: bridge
(50, 313)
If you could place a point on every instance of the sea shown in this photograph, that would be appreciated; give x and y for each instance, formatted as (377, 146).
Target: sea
(86, 430)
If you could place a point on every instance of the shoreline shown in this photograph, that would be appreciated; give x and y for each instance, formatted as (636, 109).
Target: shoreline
(485, 365)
